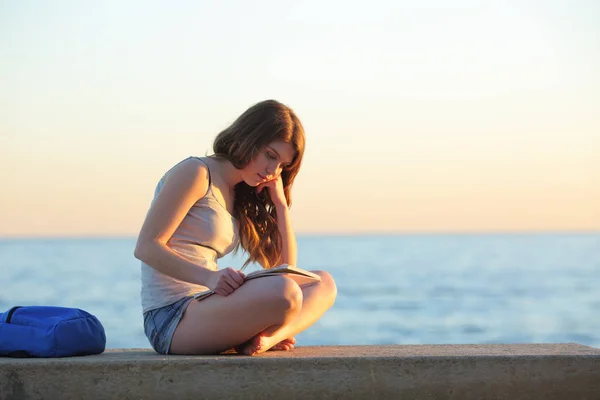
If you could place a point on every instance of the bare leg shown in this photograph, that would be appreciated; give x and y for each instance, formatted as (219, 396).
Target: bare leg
(219, 323)
(256, 310)
(317, 298)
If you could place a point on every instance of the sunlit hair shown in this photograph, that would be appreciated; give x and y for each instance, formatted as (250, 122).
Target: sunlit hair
(240, 143)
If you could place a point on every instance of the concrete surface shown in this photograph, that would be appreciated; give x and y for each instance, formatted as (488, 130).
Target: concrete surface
(528, 371)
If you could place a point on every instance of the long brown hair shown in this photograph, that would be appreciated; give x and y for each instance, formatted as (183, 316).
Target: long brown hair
(240, 143)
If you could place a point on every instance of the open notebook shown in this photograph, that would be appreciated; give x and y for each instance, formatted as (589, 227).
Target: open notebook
(300, 276)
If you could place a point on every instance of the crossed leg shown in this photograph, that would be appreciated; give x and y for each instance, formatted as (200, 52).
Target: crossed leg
(258, 315)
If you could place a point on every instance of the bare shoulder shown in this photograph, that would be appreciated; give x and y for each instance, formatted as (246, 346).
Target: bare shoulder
(190, 175)
(183, 185)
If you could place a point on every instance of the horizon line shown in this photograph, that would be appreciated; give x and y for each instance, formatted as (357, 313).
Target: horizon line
(333, 234)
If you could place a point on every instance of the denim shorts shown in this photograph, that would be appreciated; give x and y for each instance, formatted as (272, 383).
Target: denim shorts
(160, 324)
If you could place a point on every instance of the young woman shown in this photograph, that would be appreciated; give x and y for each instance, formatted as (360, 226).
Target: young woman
(204, 208)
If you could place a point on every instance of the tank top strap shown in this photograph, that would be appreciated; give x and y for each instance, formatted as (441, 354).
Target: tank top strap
(211, 192)
(209, 173)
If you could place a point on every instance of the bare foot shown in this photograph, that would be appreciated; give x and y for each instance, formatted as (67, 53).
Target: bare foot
(258, 344)
(240, 349)
(284, 345)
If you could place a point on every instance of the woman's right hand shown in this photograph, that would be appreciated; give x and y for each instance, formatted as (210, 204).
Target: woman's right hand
(225, 281)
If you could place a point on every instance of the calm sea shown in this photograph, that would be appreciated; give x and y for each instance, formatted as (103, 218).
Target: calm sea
(405, 289)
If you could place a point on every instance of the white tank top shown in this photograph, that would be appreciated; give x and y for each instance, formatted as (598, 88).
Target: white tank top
(206, 233)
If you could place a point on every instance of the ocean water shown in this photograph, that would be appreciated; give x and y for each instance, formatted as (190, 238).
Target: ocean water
(403, 289)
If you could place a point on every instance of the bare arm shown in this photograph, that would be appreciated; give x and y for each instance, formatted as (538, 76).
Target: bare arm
(184, 185)
(289, 249)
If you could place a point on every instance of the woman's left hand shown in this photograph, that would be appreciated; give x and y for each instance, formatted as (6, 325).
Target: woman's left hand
(275, 188)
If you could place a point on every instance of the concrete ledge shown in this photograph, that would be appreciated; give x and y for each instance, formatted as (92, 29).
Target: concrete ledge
(535, 371)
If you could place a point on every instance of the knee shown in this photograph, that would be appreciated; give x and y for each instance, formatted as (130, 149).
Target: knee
(283, 293)
(327, 285)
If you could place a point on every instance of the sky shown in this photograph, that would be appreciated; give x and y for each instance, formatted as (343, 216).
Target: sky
(429, 116)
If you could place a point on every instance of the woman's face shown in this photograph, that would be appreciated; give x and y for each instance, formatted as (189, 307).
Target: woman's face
(268, 163)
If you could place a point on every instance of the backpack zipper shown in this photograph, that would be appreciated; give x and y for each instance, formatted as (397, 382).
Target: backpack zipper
(10, 313)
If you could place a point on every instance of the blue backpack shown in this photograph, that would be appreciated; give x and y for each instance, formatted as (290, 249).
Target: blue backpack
(46, 331)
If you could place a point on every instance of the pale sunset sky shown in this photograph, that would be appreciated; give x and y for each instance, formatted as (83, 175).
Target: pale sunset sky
(420, 116)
